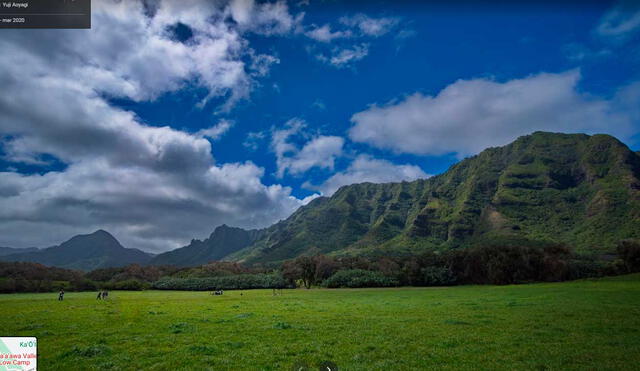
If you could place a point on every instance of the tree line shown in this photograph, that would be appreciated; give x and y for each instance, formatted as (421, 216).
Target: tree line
(489, 264)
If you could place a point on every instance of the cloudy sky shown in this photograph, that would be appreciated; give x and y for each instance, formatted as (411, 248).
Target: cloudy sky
(169, 118)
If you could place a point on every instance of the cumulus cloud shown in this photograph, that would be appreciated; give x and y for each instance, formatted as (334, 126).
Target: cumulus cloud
(320, 151)
(367, 169)
(470, 115)
(154, 187)
(621, 21)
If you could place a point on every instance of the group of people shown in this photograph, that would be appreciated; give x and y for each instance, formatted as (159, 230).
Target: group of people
(102, 295)
(217, 292)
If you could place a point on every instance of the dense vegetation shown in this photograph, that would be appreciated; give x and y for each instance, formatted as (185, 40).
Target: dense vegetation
(233, 282)
(489, 264)
(580, 325)
(574, 189)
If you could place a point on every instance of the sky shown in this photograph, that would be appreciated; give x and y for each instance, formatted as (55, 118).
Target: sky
(169, 118)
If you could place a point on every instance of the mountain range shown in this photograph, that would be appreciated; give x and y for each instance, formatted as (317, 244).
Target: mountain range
(85, 252)
(576, 189)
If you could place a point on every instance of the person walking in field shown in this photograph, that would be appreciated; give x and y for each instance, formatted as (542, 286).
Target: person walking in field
(104, 295)
(61, 295)
(99, 295)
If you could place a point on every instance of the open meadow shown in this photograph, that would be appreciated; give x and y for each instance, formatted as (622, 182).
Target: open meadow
(590, 324)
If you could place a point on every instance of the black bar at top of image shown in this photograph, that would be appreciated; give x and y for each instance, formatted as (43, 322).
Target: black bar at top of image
(45, 14)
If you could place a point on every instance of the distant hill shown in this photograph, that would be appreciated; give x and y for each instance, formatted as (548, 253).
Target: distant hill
(572, 188)
(10, 250)
(85, 252)
(222, 242)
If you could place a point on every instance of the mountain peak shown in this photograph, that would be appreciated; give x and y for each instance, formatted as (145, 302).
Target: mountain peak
(99, 249)
(101, 232)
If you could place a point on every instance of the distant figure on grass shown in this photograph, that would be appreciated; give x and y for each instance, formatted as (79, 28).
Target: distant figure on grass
(217, 292)
(105, 294)
(61, 295)
(99, 295)
(278, 290)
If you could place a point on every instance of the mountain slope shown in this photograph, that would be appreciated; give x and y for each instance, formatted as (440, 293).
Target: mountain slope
(223, 241)
(573, 188)
(10, 250)
(85, 252)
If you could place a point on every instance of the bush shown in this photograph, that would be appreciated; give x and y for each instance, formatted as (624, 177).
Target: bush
(83, 285)
(359, 278)
(586, 268)
(502, 265)
(234, 282)
(629, 252)
(438, 276)
(132, 285)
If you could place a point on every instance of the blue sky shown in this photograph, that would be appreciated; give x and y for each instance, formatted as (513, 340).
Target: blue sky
(437, 45)
(164, 121)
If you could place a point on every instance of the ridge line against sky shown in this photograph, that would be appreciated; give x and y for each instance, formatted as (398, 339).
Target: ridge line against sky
(169, 118)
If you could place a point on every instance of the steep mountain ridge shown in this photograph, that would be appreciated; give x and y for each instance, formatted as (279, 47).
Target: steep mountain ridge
(572, 188)
(84, 252)
(223, 241)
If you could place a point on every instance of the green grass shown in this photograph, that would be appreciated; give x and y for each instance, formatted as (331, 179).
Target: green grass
(593, 324)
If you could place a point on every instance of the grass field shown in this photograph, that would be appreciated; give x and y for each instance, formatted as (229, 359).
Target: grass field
(574, 325)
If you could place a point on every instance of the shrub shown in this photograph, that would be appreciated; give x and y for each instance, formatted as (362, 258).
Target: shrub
(359, 278)
(83, 285)
(133, 285)
(506, 264)
(233, 282)
(586, 268)
(629, 252)
(438, 276)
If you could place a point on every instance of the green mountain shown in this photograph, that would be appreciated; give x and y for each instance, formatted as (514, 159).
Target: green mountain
(85, 252)
(223, 241)
(572, 188)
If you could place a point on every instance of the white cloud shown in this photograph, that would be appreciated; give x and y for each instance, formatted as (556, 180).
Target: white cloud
(324, 34)
(351, 31)
(370, 26)
(367, 169)
(154, 187)
(470, 115)
(216, 131)
(320, 151)
(264, 18)
(620, 21)
(252, 142)
(131, 54)
(345, 57)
